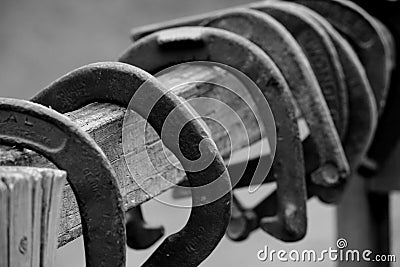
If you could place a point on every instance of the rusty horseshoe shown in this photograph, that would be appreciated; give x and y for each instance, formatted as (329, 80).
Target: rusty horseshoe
(363, 113)
(118, 83)
(186, 44)
(337, 99)
(90, 174)
(388, 131)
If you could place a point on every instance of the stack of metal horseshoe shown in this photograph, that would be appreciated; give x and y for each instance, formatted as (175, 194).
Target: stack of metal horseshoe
(333, 61)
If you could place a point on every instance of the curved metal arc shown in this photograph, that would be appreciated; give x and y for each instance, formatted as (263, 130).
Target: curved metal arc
(270, 35)
(363, 113)
(388, 132)
(367, 40)
(89, 173)
(256, 26)
(118, 83)
(159, 50)
(363, 110)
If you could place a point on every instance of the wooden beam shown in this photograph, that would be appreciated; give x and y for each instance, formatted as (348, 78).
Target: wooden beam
(104, 123)
(29, 213)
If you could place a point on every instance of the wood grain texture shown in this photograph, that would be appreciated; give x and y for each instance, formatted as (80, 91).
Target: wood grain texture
(3, 224)
(154, 170)
(29, 219)
(19, 217)
(37, 204)
(54, 183)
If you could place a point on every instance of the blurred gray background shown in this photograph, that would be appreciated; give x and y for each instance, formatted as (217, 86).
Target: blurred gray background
(40, 40)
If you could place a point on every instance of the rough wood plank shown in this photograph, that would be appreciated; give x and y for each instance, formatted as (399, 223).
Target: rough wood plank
(104, 123)
(19, 217)
(53, 184)
(3, 224)
(37, 208)
(29, 220)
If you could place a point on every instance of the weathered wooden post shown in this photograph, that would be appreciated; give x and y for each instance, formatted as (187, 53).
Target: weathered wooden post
(30, 206)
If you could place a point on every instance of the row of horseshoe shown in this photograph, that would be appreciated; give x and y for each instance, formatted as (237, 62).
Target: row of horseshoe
(331, 60)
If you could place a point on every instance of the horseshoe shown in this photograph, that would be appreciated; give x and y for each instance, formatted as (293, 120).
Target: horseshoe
(364, 34)
(294, 67)
(309, 36)
(140, 235)
(256, 26)
(186, 44)
(118, 83)
(320, 53)
(278, 43)
(388, 131)
(315, 113)
(90, 175)
(363, 113)
(336, 99)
